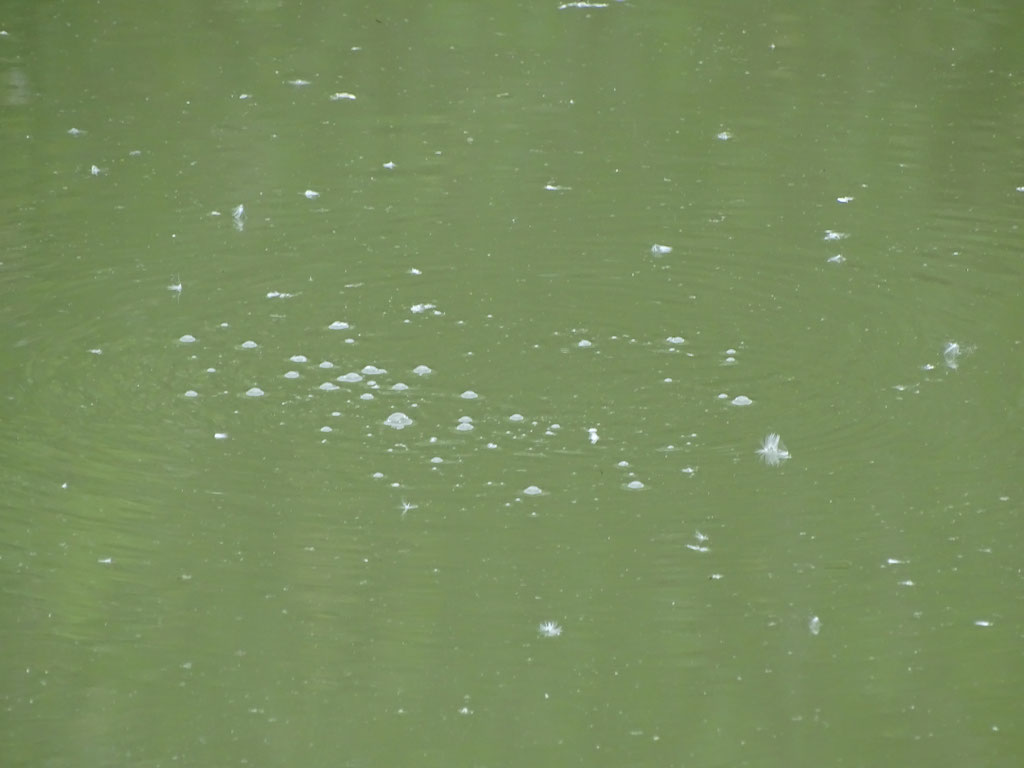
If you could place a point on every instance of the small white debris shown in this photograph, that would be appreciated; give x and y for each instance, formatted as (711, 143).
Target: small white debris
(845, 199)
(74, 132)
(414, 271)
(390, 165)
(398, 420)
(328, 386)
(279, 295)
(584, 343)
(373, 370)
(249, 344)
(220, 435)
(675, 340)
(634, 485)
(191, 393)
(417, 309)
(343, 96)
(830, 235)
(298, 82)
(723, 136)
(421, 370)
(105, 560)
(350, 378)
(254, 392)
(339, 325)
(238, 214)
(532, 490)
(399, 387)
(298, 358)
(741, 400)
(325, 364)
(837, 259)
(95, 170)
(96, 351)
(951, 355)
(557, 188)
(516, 417)
(469, 394)
(593, 435)
(311, 194)
(188, 338)
(291, 374)
(549, 629)
(982, 623)
(814, 625)
(660, 250)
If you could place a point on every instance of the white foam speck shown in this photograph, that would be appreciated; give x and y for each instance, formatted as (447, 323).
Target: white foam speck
(292, 375)
(469, 394)
(311, 194)
(350, 378)
(326, 364)
(339, 325)
(399, 387)
(343, 96)
(421, 370)
(328, 386)
(249, 345)
(188, 338)
(741, 400)
(191, 393)
(220, 435)
(634, 485)
(532, 490)
(814, 625)
(660, 250)
(254, 392)
(372, 370)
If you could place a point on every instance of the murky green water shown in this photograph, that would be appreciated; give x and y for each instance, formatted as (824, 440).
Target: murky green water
(613, 226)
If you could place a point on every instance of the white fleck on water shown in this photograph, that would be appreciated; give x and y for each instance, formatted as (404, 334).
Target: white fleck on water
(951, 355)
(326, 364)
(675, 340)
(249, 345)
(634, 485)
(421, 370)
(584, 343)
(188, 338)
(339, 325)
(742, 400)
(837, 259)
(326, 429)
(220, 435)
(723, 135)
(291, 375)
(350, 378)
(830, 235)
(343, 96)
(469, 394)
(516, 417)
(366, 396)
(845, 199)
(772, 450)
(398, 420)
(372, 370)
(593, 435)
(389, 165)
(814, 625)
(191, 393)
(660, 250)
(399, 387)
(464, 427)
(549, 629)
(983, 623)
(532, 490)
(254, 392)
(238, 214)
(328, 386)
(311, 194)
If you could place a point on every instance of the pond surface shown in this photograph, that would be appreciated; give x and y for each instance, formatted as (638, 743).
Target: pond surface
(596, 384)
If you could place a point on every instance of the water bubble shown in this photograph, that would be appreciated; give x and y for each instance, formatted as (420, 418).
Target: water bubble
(373, 370)
(188, 338)
(741, 400)
(398, 420)
(660, 250)
(339, 325)
(532, 490)
(298, 358)
(254, 392)
(421, 370)
(469, 394)
(328, 386)
(292, 375)
(814, 625)
(350, 378)
(249, 345)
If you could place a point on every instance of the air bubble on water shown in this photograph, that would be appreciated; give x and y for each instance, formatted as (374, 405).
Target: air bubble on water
(675, 340)
(326, 364)
(492, 446)
(634, 485)
(983, 623)
(254, 392)
(188, 338)
(421, 370)
(249, 345)
(328, 386)
(660, 250)
(741, 400)
(469, 394)
(373, 370)
(532, 490)
(311, 194)
(366, 396)
(583, 343)
(464, 427)
(299, 358)
(465, 419)
(437, 460)
(814, 625)
(516, 417)
(291, 375)
(326, 429)
(350, 378)
(191, 393)
(951, 354)
(399, 387)
(342, 96)
(398, 420)
(622, 464)
(339, 325)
